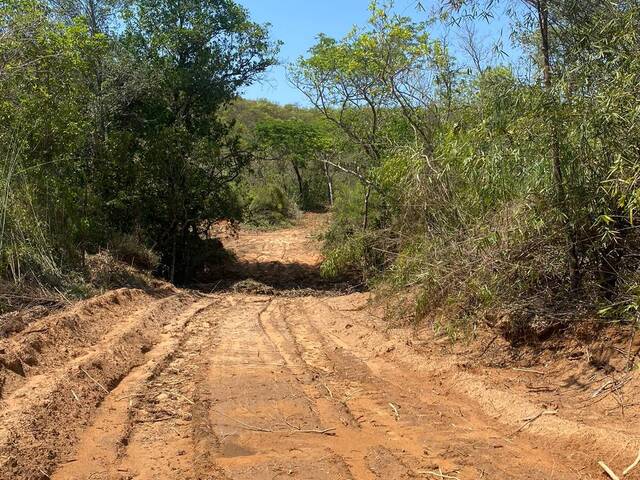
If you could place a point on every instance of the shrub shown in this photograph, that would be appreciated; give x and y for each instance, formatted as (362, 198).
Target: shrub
(130, 249)
(269, 206)
(349, 250)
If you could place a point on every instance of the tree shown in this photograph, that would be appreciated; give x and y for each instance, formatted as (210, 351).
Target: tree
(296, 142)
(199, 54)
(375, 83)
(540, 14)
(111, 119)
(42, 62)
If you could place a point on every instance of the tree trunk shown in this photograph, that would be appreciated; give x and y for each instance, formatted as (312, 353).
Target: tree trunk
(556, 162)
(172, 275)
(300, 182)
(543, 18)
(327, 173)
(365, 219)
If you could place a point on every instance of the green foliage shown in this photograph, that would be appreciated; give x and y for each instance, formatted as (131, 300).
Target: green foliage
(291, 146)
(349, 250)
(111, 125)
(488, 191)
(269, 206)
(346, 258)
(295, 144)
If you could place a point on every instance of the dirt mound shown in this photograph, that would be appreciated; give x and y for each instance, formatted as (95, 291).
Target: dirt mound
(54, 373)
(107, 272)
(252, 286)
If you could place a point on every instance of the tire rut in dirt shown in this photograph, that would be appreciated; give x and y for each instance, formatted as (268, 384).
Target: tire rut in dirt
(261, 412)
(42, 419)
(156, 423)
(396, 415)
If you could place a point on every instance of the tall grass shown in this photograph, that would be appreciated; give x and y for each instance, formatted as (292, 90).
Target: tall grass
(26, 250)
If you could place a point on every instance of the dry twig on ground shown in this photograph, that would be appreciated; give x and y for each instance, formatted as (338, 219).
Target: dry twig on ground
(396, 413)
(530, 420)
(94, 380)
(608, 471)
(633, 465)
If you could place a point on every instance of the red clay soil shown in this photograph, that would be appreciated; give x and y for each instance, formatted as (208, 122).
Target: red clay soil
(179, 385)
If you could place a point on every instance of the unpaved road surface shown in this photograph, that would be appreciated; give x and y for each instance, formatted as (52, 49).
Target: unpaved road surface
(237, 385)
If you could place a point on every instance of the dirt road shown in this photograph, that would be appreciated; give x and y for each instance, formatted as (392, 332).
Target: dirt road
(287, 384)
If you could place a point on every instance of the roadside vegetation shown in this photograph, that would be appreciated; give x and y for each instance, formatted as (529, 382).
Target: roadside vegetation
(468, 187)
(111, 136)
(481, 190)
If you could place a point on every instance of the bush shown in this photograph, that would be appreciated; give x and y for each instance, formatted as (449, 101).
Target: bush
(130, 249)
(269, 206)
(349, 250)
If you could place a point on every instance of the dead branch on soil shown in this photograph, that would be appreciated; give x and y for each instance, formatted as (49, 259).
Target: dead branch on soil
(529, 370)
(602, 388)
(328, 390)
(633, 465)
(181, 396)
(252, 428)
(608, 471)
(609, 387)
(528, 421)
(488, 346)
(37, 330)
(294, 428)
(396, 413)
(325, 431)
(156, 420)
(437, 474)
(94, 380)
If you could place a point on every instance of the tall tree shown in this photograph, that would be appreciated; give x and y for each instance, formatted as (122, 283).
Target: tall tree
(376, 82)
(200, 52)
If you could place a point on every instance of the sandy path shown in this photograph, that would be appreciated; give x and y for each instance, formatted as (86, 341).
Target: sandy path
(243, 386)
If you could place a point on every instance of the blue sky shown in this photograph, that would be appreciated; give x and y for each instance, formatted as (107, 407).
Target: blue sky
(298, 22)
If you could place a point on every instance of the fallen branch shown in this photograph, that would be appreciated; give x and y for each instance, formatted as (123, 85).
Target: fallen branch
(633, 465)
(38, 330)
(326, 431)
(437, 474)
(94, 380)
(599, 390)
(245, 425)
(608, 471)
(328, 390)
(610, 386)
(488, 346)
(182, 396)
(395, 411)
(530, 420)
(156, 420)
(528, 370)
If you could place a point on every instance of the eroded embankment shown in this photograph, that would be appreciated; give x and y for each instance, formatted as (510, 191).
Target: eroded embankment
(55, 372)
